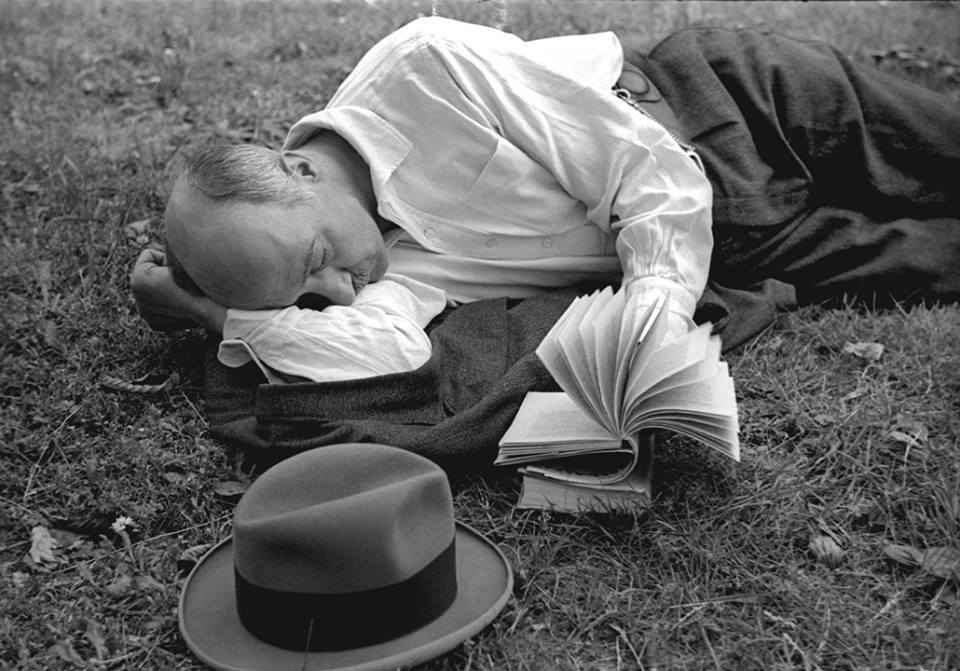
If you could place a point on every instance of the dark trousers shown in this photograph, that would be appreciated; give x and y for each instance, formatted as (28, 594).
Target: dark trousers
(833, 178)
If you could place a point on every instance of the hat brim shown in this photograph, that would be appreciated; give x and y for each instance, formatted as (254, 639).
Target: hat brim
(212, 630)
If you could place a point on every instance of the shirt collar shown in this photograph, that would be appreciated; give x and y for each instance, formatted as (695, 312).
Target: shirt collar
(381, 145)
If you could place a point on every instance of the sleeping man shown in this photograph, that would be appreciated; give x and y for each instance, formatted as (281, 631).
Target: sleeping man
(477, 165)
(260, 261)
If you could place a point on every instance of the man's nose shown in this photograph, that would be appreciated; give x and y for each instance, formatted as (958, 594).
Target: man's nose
(336, 286)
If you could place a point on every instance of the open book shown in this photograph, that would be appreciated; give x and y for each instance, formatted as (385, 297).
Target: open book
(590, 446)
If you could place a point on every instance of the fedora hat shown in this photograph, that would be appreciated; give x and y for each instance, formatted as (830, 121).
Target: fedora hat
(343, 557)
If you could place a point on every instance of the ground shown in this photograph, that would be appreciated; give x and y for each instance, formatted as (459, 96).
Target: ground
(832, 545)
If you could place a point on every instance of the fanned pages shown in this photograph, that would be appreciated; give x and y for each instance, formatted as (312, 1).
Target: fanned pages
(622, 374)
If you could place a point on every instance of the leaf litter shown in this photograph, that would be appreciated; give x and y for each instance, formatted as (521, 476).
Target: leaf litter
(941, 562)
(868, 351)
(42, 546)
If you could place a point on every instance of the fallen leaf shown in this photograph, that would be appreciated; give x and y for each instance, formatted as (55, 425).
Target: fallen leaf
(51, 337)
(97, 636)
(826, 550)
(174, 477)
(189, 557)
(910, 432)
(120, 587)
(943, 562)
(904, 554)
(136, 231)
(869, 351)
(229, 489)
(42, 545)
(148, 583)
(856, 393)
(45, 280)
(64, 650)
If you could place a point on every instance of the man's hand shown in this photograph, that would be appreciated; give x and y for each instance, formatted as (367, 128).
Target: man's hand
(163, 304)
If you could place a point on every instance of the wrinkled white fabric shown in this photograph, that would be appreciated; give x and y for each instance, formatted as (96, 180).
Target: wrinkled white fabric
(511, 167)
(381, 332)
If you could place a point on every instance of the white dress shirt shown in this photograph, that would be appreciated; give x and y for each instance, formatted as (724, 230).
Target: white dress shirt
(510, 168)
(381, 332)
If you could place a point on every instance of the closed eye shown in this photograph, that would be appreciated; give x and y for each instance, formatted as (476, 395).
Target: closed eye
(317, 259)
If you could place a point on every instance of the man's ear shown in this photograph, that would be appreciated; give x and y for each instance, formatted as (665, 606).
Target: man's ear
(301, 166)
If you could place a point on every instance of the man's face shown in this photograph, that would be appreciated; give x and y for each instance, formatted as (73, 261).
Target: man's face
(268, 255)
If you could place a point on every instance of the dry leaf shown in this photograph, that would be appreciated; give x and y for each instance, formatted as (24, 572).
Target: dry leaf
(51, 337)
(943, 562)
(120, 587)
(910, 432)
(857, 393)
(97, 636)
(42, 545)
(148, 583)
(869, 351)
(904, 554)
(826, 550)
(229, 489)
(45, 280)
(136, 231)
(189, 557)
(65, 651)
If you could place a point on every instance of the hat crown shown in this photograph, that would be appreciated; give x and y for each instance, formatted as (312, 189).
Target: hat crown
(361, 517)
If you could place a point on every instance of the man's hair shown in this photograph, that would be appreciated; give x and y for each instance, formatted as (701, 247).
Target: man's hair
(241, 172)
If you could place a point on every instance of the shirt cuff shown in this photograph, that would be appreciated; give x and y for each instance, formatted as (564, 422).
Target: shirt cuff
(241, 323)
(649, 288)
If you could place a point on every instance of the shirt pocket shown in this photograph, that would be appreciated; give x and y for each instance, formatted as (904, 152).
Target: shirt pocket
(513, 189)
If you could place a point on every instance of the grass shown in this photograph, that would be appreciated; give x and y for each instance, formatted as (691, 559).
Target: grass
(789, 560)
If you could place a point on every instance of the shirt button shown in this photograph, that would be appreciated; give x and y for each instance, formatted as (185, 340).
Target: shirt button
(490, 243)
(547, 242)
(429, 233)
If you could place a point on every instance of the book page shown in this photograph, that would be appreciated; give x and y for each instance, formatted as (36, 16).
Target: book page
(632, 493)
(562, 353)
(705, 369)
(648, 342)
(605, 328)
(584, 348)
(712, 403)
(686, 350)
(551, 354)
(635, 325)
(552, 417)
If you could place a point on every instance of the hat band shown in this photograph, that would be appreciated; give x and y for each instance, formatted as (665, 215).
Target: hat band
(325, 622)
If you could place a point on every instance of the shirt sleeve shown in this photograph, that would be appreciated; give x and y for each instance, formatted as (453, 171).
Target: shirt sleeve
(635, 180)
(382, 332)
